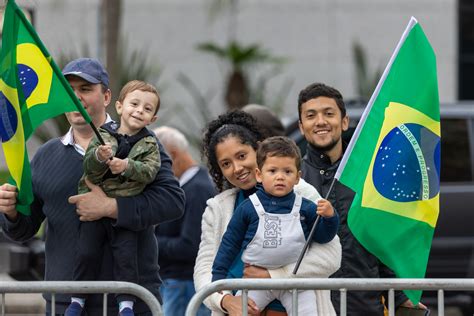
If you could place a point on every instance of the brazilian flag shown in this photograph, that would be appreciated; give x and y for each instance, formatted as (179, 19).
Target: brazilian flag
(393, 161)
(32, 89)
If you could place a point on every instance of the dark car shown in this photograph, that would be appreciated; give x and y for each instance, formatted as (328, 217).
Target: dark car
(23, 261)
(452, 251)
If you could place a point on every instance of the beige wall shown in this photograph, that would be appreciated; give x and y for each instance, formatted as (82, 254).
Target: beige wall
(315, 35)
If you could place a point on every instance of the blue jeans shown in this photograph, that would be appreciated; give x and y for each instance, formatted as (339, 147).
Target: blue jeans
(176, 295)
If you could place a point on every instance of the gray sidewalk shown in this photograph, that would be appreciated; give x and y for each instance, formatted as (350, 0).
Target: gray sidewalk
(22, 304)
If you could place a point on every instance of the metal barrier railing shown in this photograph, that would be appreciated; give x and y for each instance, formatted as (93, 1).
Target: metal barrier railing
(341, 285)
(102, 287)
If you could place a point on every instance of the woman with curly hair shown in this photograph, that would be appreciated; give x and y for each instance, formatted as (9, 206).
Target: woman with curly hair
(229, 145)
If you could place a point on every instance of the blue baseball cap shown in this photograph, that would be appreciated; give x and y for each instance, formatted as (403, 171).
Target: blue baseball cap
(89, 69)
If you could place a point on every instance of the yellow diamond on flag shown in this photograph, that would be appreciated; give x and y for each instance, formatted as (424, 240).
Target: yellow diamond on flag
(35, 74)
(401, 170)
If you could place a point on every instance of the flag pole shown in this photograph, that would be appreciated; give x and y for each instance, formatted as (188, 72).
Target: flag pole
(311, 233)
(349, 148)
(96, 132)
(372, 99)
(58, 72)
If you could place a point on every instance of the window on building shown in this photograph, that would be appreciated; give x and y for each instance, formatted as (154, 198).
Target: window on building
(466, 50)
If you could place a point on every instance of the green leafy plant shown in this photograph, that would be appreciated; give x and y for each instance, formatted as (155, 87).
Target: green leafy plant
(133, 65)
(136, 65)
(276, 101)
(365, 80)
(239, 56)
(193, 119)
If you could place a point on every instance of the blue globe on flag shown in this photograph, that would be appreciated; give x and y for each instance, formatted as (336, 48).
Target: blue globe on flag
(9, 122)
(28, 79)
(9, 119)
(407, 164)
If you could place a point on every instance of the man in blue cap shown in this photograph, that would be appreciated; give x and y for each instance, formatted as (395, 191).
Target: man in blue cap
(56, 170)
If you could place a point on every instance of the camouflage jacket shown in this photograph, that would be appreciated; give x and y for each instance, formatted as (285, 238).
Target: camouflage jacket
(143, 165)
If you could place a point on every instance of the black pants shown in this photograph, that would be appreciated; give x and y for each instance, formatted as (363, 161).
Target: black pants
(90, 250)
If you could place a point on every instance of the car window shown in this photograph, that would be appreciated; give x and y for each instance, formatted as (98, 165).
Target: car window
(455, 155)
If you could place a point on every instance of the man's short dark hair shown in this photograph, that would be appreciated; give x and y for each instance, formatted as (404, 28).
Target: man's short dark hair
(278, 146)
(316, 90)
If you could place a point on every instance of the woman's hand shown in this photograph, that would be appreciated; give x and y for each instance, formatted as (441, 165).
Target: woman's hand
(233, 305)
(255, 272)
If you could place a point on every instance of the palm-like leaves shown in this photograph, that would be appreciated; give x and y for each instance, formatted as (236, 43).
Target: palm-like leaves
(365, 81)
(238, 56)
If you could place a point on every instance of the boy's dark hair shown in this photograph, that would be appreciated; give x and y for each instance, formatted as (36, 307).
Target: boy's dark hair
(278, 146)
(316, 90)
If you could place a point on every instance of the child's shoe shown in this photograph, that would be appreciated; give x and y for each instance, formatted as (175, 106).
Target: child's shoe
(74, 309)
(126, 312)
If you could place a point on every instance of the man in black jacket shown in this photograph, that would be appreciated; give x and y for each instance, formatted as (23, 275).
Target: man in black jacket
(322, 119)
(178, 241)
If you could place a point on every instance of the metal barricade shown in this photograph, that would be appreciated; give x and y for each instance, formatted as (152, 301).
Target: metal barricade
(341, 285)
(103, 287)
